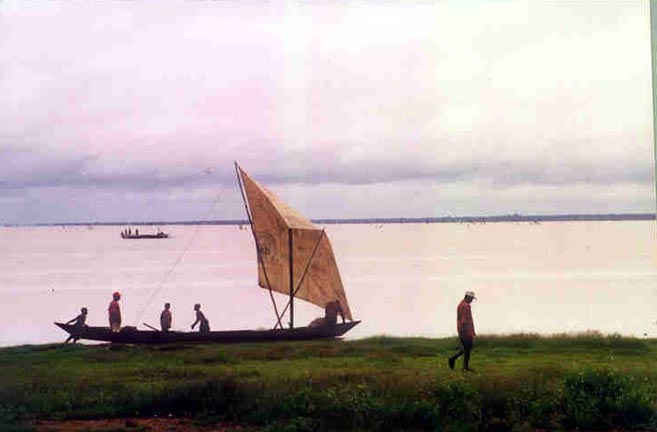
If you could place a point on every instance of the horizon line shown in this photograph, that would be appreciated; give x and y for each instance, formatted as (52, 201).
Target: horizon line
(515, 217)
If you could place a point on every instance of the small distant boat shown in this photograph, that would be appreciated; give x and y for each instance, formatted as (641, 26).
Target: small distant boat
(295, 258)
(159, 235)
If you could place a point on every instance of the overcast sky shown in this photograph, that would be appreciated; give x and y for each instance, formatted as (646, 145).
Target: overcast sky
(120, 111)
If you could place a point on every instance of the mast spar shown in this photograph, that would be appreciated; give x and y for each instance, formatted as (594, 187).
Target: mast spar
(255, 238)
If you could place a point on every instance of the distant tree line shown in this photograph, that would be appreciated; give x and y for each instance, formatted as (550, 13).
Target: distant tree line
(441, 219)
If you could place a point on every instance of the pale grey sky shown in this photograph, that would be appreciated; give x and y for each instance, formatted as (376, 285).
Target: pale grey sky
(121, 111)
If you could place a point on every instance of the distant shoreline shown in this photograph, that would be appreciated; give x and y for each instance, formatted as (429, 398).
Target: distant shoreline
(441, 219)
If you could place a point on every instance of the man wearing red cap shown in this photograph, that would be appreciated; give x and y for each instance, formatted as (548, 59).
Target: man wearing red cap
(115, 313)
(465, 327)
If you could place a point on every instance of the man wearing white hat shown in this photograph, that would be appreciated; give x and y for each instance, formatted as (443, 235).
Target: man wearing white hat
(465, 327)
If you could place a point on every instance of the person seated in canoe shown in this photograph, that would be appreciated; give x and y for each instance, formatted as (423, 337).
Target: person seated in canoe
(114, 312)
(165, 318)
(78, 322)
(330, 319)
(200, 318)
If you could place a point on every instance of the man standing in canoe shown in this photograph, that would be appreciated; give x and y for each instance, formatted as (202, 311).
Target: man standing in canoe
(465, 327)
(165, 318)
(115, 313)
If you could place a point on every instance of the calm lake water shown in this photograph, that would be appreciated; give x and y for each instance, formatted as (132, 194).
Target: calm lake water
(401, 279)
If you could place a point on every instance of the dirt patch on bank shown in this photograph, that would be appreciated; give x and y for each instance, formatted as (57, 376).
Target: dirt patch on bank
(138, 425)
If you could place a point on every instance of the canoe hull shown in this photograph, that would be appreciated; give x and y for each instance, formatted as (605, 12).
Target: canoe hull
(133, 336)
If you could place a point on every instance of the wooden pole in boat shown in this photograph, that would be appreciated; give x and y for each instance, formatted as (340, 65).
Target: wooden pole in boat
(151, 327)
(289, 236)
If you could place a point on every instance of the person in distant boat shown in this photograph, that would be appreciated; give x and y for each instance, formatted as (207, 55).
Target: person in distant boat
(466, 330)
(115, 313)
(137, 232)
(78, 322)
(330, 319)
(200, 318)
(165, 318)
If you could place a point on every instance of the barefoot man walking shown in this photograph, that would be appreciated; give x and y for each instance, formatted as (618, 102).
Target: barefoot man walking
(465, 327)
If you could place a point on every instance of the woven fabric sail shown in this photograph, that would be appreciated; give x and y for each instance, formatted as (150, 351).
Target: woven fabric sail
(315, 273)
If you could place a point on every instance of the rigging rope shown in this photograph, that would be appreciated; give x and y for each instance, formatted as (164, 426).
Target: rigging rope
(158, 288)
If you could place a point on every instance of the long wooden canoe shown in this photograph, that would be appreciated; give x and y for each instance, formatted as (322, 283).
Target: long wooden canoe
(132, 335)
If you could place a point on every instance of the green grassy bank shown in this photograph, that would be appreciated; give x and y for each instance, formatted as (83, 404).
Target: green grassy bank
(521, 382)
